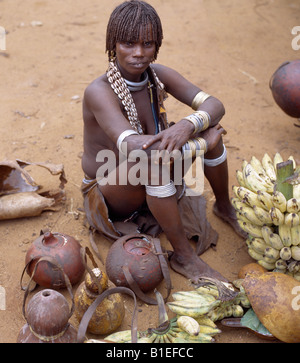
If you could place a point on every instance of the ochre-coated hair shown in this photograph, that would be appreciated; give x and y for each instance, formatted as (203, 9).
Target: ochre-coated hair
(129, 21)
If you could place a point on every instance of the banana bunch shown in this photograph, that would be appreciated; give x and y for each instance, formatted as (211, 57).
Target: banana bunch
(271, 221)
(204, 302)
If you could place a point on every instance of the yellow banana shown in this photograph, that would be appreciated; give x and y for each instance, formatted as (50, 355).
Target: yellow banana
(291, 220)
(237, 203)
(253, 181)
(272, 254)
(293, 205)
(275, 241)
(296, 191)
(250, 214)
(295, 253)
(268, 165)
(297, 276)
(120, 337)
(285, 235)
(258, 245)
(277, 159)
(268, 266)
(277, 216)
(235, 191)
(293, 160)
(266, 232)
(250, 228)
(262, 215)
(189, 325)
(248, 196)
(295, 235)
(258, 167)
(146, 339)
(241, 216)
(255, 255)
(204, 329)
(285, 253)
(240, 178)
(208, 290)
(237, 311)
(205, 320)
(244, 301)
(191, 309)
(183, 337)
(265, 200)
(294, 266)
(281, 264)
(279, 201)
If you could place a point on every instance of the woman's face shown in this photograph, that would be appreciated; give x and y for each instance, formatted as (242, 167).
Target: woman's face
(134, 57)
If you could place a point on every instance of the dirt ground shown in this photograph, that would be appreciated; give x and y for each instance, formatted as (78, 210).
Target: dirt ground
(230, 48)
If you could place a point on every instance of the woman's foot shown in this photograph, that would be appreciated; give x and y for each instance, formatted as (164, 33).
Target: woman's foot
(193, 268)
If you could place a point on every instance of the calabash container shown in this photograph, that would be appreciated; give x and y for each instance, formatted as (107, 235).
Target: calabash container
(67, 252)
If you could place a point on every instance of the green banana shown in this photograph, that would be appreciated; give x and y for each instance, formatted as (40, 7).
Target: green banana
(291, 219)
(265, 200)
(268, 165)
(277, 216)
(279, 201)
(210, 290)
(191, 309)
(120, 337)
(237, 311)
(205, 320)
(293, 205)
(285, 253)
(193, 296)
(285, 235)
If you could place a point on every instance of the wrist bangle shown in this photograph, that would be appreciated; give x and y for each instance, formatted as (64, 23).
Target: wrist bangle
(121, 138)
(200, 119)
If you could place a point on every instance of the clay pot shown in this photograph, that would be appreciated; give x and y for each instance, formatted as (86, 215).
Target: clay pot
(285, 87)
(109, 314)
(66, 251)
(47, 320)
(135, 252)
(273, 297)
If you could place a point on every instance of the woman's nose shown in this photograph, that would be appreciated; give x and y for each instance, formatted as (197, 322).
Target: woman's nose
(138, 50)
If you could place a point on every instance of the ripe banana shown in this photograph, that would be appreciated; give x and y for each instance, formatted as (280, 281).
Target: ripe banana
(263, 216)
(265, 200)
(275, 241)
(285, 253)
(191, 309)
(277, 216)
(248, 196)
(193, 296)
(188, 324)
(272, 254)
(281, 264)
(208, 290)
(250, 214)
(277, 159)
(258, 167)
(267, 265)
(295, 235)
(255, 255)
(291, 219)
(266, 231)
(285, 235)
(294, 266)
(295, 253)
(120, 337)
(279, 201)
(253, 181)
(205, 320)
(268, 165)
(258, 245)
(237, 311)
(252, 229)
(240, 178)
(293, 205)
(293, 160)
(296, 191)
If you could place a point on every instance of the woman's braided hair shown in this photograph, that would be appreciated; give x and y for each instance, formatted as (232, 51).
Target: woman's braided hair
(129, 21)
